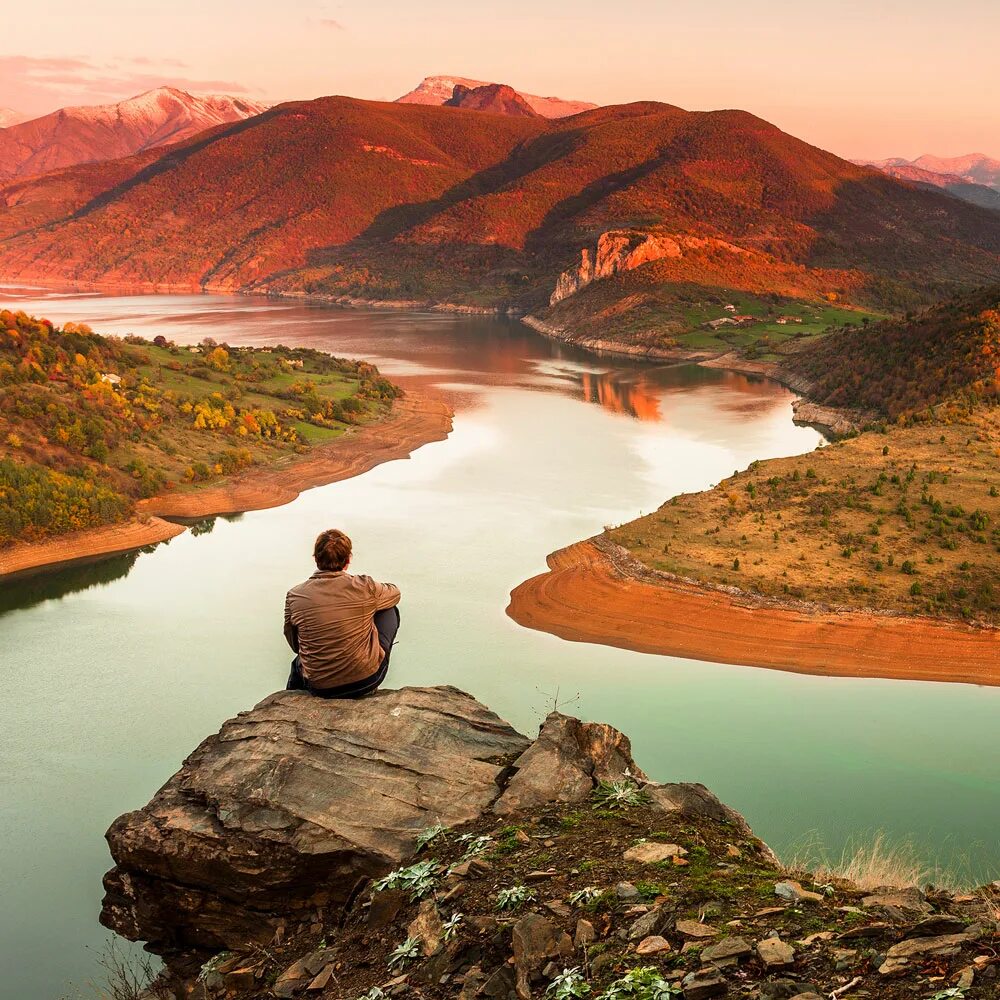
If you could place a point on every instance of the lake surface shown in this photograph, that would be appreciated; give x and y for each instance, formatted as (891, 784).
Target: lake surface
(113, 672)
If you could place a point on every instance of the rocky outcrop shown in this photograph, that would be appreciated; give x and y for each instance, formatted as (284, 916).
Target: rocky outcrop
(291, 805)
(617, 250)
(493, 98)
(282, 815)
(566, 762)
(252, 872)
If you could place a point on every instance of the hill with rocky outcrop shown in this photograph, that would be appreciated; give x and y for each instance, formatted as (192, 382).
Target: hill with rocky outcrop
(108, 131)
(493, 98)
(437, 90)
(406, 204)
(414, 844)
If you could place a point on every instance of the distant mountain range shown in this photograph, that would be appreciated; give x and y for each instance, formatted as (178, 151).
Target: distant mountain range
(103, 132)
(8, 117)
(974, 177)
(437, 90)
(617, 222)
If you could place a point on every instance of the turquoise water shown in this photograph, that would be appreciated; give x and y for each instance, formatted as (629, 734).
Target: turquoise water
(113, 672)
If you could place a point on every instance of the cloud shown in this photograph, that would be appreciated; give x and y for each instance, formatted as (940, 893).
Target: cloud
(144, 61)
(329, 22)
(37, 85)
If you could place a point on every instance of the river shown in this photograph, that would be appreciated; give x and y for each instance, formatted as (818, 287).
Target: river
(113, 672)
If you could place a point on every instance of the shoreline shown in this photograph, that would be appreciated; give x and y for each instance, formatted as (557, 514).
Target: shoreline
(828, 420)
(587, 596)
(415, 420)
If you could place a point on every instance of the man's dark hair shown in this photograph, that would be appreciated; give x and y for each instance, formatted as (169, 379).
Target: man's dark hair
(332, 551)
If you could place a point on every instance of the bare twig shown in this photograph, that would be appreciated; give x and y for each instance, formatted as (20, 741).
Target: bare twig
(840, 991)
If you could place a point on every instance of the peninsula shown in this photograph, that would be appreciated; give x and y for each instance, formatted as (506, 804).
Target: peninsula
(103, 439)
(873, 556)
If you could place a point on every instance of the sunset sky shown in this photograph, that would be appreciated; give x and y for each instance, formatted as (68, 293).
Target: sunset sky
(864, 78)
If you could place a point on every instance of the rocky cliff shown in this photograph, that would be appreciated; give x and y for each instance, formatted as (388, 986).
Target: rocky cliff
(414, 843)
(493, 98)
(624, 250)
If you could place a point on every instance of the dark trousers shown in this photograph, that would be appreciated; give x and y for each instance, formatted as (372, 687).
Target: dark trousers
(387, 624)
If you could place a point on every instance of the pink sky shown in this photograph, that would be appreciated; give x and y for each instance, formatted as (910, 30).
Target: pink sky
(864, 79)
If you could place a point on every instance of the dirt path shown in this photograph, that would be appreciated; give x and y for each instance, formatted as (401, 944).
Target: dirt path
(417, 419)
(584, 597)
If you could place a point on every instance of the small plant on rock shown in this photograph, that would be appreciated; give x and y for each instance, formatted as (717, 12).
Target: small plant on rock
(584, 896)
(642, 983)
(404, 953)
(429, 835)
(451, 926)
(620, 795)
(418, 880)
(474, 846)
(514, 897)
(568, 984)
(212, 964)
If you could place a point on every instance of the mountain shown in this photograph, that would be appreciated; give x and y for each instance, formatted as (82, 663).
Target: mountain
(976, 168)
(978, 194)
(8, 117)
(109, 131)
(494, 98)
(440, 89)
(636, 213)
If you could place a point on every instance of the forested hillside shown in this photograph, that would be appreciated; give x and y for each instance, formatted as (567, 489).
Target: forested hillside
(89, 424)
(904, 367)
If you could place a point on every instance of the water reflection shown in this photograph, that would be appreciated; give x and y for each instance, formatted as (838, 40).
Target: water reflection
(27, 591)
(37, 586)
(634, 397)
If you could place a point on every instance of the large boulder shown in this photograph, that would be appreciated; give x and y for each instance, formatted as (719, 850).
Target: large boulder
(281, 818)
(290, 806)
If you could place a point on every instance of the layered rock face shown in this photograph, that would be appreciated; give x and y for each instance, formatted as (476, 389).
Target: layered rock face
(291, 807)
(617, 250)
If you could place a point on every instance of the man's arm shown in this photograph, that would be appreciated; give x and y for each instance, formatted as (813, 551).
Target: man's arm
(291, 632)
(385, 595)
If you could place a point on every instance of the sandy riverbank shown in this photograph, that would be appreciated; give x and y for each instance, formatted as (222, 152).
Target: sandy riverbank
(586, 597)
(417, 419)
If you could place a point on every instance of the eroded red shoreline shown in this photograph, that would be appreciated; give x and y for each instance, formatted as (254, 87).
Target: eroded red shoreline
(585, 597)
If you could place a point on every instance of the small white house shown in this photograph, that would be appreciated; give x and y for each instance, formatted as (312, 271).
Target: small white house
(110, 379)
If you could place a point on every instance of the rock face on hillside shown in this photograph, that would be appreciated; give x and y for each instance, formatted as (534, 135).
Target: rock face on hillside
(617, 250)
(436, 90)
(294, 805)
(494, 98)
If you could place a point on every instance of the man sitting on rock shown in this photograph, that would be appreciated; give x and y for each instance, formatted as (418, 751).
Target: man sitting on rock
(340, 626)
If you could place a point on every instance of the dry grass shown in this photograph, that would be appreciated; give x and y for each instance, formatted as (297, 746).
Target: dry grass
(126, 974)
(906, 521)
(873, 862)
(990, 895)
